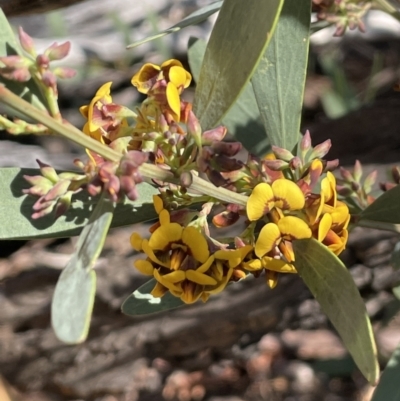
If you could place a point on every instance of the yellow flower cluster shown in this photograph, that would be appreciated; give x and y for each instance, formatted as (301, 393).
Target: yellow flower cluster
(293, 215)
(180, 260)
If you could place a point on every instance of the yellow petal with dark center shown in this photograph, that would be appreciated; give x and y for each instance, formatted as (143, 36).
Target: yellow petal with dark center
(278, 265)
(267, 239)
(288, 196)
(221, 284)
(174, 101)
(196, 242)
(260, 202)
(200, 278)
(292, 227)
(158, 203)
(144, 266)
(136, 242)
(151, 255)
(143, 78)
(164, 235)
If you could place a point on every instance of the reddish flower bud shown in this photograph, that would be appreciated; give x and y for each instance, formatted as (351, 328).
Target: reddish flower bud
(194, 128)
(213, 135)
(58, 52)
(305, 143)
(226, 148)
(42, 61)
(26, 42)
(321, 150)
(282, 154)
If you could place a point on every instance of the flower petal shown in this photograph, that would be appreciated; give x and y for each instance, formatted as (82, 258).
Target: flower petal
(196, 243)
(288, 196)
(260, 202)
(278, 265)
(166, 283)
(173, 99)
(159, 290)
(324, 226)
(164, 235)
(292, 227)
(233, 256)
(267, 239)
(200, 278)
(145, 78)
(158, 203)
(144, 266)
(136, 242)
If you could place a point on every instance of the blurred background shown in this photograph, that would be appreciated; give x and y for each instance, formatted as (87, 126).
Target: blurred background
(249, 343)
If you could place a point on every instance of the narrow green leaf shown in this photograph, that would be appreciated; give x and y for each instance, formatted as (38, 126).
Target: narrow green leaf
(26, 90)
(141, 302)
(192, 19)
(74, 294)
(385, 209)
(280, 77)
(333, 287)
(239, 38)
(16, 209)
(243, 118)
(388, 388)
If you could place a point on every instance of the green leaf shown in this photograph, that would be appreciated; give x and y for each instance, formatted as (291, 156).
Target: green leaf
(388, 388)
(280, 77)
(16, 209)
(239, 38)
(333, 287)
(192, 19)
(26, 90)
(73, 297)
(141, 302)
(243, 119)
(385, 209)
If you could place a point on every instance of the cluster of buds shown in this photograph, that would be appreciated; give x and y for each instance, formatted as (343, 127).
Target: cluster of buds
(29, 64)
(54, 190)
(343, 13)
(355, 188)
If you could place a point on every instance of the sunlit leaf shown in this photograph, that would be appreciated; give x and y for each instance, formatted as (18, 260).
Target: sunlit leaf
(239, 38)
(16, 209)
(192, 19)
(279, 79)
(73, 298)
(141, 302)
(388, 388)
(333, 287)
(385, 209)
(243, 118)
(26, 90)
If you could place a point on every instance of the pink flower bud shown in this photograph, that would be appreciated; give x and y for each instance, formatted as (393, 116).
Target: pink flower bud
(26, 42)
(215, 134)
(50, 80)
(321, 150)
(42, 61)
(194, 128)
(58, 52)
(346, 175)
(282, 154)
(305, 143)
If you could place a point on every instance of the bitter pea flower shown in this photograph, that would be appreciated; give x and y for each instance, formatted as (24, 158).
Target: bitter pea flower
(164, 84)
